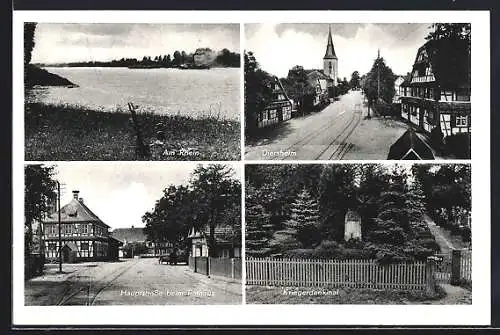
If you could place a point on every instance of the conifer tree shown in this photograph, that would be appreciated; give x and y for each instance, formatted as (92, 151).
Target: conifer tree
(300, 230)
(258, 231)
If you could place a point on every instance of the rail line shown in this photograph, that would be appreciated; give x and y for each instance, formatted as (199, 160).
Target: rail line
(343, 147)
(86, 288)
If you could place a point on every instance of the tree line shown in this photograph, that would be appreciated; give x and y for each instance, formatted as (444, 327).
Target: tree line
(299, 210)
(211, 198)
(223, 58)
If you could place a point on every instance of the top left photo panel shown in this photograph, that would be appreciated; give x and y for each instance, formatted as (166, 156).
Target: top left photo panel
(131, 91)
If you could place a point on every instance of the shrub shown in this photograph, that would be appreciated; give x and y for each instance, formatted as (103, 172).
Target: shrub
(436, 138)
(299, 253)
(458, 145)
(466, 234)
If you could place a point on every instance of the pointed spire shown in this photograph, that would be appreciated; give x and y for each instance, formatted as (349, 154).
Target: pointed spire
(378, 53)
(330, 51)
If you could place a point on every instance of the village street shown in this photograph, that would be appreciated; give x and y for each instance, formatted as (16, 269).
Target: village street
(340, 131)
(128, 282)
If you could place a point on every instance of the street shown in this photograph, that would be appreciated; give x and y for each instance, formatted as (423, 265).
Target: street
(129, 282)
(337, 132)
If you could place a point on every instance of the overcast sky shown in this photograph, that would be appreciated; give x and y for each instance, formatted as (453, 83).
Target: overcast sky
(60, 42)
(279, 47)
(120, 193)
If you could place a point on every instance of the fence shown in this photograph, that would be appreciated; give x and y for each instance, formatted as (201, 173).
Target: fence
(225, 267)
(466, 266)
(339, 273)
(454, 267)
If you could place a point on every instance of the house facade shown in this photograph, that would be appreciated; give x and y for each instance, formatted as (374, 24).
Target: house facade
(136, 235)
(438, 91)
(227, 242)
(84, 236)
(278, 110)
(397, 89)
(321, 82)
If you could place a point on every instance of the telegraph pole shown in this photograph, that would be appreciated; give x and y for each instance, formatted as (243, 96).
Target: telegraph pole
(59, 223)
(378, 75)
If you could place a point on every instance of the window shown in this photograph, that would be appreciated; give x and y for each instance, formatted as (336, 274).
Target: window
(461, 121)
(84, 246)
(52, 246)
(84, 229)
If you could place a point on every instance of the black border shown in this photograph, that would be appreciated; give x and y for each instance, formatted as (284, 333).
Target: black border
(491, 5)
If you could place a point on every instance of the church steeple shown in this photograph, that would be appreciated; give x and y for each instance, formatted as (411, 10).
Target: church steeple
(330, 50)
(330, 61)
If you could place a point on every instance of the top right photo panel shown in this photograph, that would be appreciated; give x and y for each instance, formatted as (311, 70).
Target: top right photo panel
(357, 91)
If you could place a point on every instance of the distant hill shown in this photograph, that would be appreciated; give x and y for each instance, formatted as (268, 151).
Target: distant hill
(37, 76)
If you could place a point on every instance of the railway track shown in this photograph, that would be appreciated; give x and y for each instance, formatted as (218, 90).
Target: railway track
(87, 292)
(338, 151)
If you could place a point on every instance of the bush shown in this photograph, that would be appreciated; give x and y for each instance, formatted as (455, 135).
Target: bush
(436, 138)
(299, 253)
(458, 145)
(466, 234)
(429, 243)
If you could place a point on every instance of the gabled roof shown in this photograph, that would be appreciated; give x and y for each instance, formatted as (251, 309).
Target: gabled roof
(330, 50)
(129, 235)
(73, 212)
(316, 73)
(410, 146)
(221, 233)
(450, 61)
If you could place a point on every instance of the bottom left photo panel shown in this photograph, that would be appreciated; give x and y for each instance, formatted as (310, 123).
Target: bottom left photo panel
(133, 233)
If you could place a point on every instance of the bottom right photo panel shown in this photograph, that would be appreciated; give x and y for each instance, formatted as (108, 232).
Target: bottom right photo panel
(384, 233)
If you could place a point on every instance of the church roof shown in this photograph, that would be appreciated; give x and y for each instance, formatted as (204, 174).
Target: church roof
(330, 50)
(73, 212)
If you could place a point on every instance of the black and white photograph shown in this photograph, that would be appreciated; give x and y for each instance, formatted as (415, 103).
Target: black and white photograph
(350, 91)
(149, 234)
(381, 234)
(132, 91)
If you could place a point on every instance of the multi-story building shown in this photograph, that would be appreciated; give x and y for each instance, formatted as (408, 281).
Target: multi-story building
(437, 93)
(83, 235)
(279, 109)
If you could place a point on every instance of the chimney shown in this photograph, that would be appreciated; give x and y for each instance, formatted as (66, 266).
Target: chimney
(132, 226)
(75, 194)
(81, 200)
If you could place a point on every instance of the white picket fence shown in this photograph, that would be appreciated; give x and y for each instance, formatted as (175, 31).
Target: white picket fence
(337, 273)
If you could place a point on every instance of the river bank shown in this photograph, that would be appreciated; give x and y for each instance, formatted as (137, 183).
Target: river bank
(61, 132)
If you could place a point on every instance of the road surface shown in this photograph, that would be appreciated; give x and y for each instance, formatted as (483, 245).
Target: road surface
(321, 136)
(340, 131)
(130, 282)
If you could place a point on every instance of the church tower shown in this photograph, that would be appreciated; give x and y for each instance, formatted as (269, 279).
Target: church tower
(330, 61)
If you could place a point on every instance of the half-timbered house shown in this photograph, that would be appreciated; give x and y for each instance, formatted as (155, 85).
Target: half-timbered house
(279, 109)
(83, 235)
(438, 92)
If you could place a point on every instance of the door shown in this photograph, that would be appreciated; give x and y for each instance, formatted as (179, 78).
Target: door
(66, 254)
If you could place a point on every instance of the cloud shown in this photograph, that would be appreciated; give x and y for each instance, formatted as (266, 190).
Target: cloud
(279, 47)
(106, 41)
(120, 193)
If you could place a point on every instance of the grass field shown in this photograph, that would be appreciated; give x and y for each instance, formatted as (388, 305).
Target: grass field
(332, 296)
(58, 132)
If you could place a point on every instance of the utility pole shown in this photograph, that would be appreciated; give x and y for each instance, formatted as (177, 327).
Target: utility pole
(59, 223)
(378, 75)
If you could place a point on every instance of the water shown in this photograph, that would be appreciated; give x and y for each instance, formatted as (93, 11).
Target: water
(194, 93)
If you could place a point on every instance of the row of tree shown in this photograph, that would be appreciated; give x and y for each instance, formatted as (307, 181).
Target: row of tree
(211, 198)
(223, 58)
(299, 210)
(297, 85)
